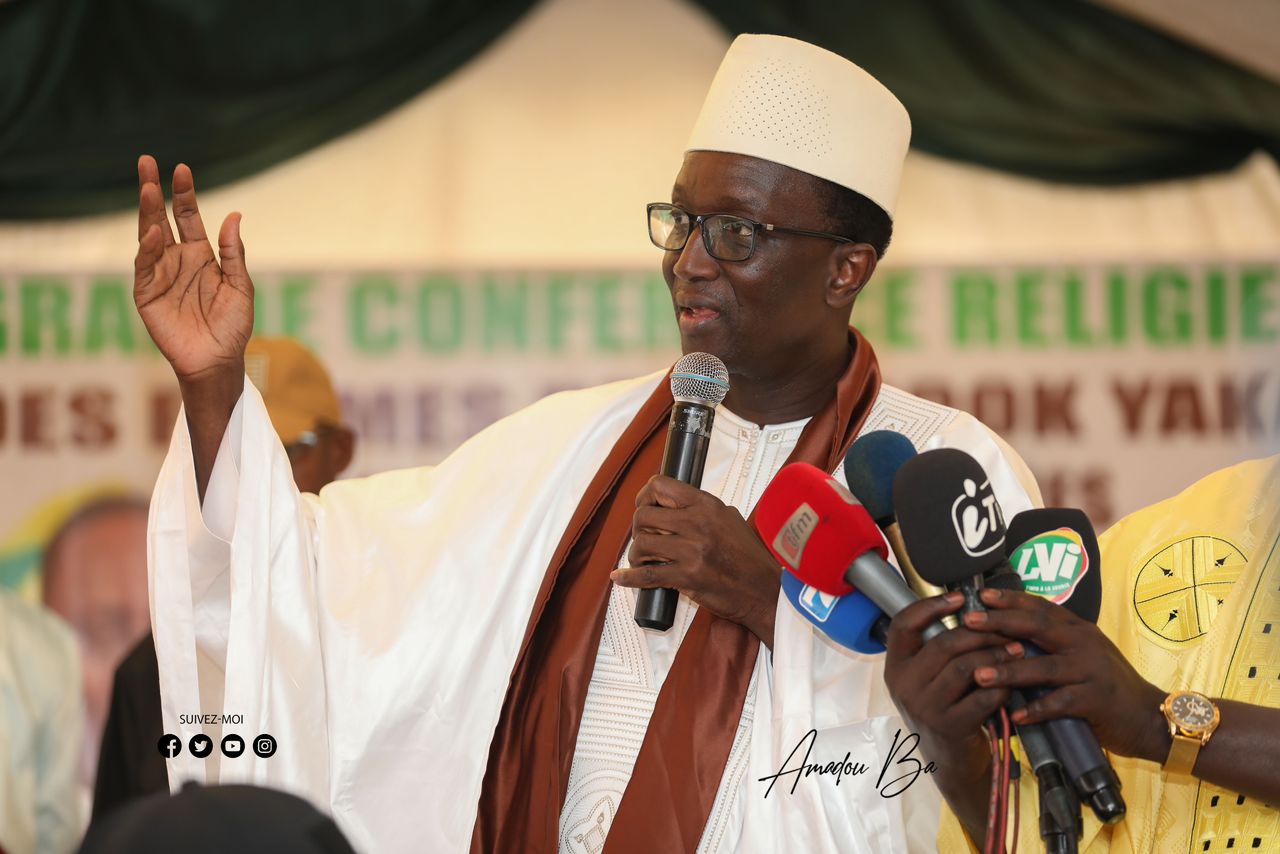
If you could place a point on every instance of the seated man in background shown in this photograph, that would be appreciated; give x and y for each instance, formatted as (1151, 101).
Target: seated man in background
(1180, 679)
(41, 728)
(94, 576)
(305, 412)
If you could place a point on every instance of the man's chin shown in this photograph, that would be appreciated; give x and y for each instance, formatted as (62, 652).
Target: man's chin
(701, 342)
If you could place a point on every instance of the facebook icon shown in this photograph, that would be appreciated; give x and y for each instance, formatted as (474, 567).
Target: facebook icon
(169, 746)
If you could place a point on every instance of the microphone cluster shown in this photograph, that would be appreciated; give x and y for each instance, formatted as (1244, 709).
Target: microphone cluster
(938, 513)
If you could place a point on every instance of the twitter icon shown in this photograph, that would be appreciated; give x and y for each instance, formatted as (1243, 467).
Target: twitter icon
(201, 746)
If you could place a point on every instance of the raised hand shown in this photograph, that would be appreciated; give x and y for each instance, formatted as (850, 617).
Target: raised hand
(197, 308)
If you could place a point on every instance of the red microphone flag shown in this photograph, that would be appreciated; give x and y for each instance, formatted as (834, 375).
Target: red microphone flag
(815, 527)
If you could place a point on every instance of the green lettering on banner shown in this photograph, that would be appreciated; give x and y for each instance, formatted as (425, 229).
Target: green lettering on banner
(1216, 296)
(867, 313)
(559, 310)
(295, 308)
(440, 313)
(900, 310)
(369, 294)
(111, 314)
(260, 326)
(1029, 285)
(660, 329)
(1118, 305)
(46, 307)
(1166, 306)
(974, 306)
(605, 314)
(1075, 295)
(1256, 304)
(505, 314)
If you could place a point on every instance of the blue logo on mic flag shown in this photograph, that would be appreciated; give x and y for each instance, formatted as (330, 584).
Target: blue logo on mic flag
(818, 604)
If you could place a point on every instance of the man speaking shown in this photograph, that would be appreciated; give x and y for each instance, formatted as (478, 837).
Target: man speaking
(447, 656)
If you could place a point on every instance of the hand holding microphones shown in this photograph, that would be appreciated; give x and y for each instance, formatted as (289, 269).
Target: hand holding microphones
(1063, 681)
(1080, 675)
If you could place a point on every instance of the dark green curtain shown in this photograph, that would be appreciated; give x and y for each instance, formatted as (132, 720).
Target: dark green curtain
(227, 86)
(1061, 90)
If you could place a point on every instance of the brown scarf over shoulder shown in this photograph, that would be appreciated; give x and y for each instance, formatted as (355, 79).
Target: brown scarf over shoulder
(685, 749)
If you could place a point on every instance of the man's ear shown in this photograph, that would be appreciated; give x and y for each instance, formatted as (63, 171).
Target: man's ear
(852, 265)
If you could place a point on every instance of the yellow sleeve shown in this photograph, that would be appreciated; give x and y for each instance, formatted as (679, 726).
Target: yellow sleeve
(951, 836)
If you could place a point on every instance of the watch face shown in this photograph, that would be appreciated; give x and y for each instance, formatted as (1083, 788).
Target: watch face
(1191, 711)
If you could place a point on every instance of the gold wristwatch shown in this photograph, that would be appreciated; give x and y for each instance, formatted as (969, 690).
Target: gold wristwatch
(1192, 719)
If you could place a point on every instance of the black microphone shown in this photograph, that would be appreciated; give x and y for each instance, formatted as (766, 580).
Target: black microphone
(1054, 551)
(699, 382)
(1060, 821)
(1059, 806)
(954, 529)
(1055, 554)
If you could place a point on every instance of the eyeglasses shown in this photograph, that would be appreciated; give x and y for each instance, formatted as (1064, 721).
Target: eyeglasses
(726, 236)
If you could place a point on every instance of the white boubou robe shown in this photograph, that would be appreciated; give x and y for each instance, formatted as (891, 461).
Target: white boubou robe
(372, 631)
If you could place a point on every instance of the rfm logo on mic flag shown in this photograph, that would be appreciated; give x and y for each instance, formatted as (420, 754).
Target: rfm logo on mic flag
(794, 534)
(977, 519)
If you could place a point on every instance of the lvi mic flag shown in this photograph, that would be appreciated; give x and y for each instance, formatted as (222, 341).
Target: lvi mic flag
(1051, 564)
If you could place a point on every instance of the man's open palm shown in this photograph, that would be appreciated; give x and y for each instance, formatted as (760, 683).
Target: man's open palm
(197, 308)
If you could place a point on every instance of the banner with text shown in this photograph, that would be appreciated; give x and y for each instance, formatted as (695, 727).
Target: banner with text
(1119, 383)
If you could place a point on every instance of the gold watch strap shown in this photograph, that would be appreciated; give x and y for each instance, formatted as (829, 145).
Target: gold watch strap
(1182, 754)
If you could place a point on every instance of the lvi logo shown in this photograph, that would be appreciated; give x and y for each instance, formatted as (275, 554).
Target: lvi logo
(1051, 564)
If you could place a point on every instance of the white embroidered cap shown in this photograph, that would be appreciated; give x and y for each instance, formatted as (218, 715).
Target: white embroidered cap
(790, 102)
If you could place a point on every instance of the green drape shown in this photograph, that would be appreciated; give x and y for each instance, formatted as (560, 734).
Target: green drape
(227, 86)
(1061, 90)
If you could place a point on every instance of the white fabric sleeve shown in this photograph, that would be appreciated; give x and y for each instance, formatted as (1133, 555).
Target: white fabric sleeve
(232, 585)
(211, 532)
